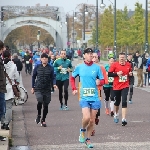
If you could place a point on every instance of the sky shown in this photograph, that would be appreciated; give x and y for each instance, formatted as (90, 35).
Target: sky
(70, 5)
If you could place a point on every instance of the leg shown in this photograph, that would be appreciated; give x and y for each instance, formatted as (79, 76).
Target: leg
(60, 85)
(141, 74)
(2, 105)
(124, 94)
(116, 105)
(66, 84)
(112, 97)
(25, 68)
(131, 92)
(45, 111)
(145, 78)
(139, 78)
(39, 107)
(106, 101)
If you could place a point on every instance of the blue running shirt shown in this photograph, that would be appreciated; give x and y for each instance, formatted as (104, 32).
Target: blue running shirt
(88, 75)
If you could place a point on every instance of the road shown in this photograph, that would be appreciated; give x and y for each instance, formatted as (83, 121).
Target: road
(62, 129)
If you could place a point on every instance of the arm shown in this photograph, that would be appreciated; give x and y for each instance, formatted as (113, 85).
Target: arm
(111, 71)
(75, 73)
(139, 62)
(53, 77)
(70, 66)
(16, 75)
(105, 75)
(34, 77)
(101, 77)
(56, 67)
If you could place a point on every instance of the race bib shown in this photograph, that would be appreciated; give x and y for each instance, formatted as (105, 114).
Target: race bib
(88, 91)
(27, 62)
(63, 71)
(110, 79)
(123, 78)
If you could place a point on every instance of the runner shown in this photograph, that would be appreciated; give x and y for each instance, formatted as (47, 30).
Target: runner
(62, 67)
(108, 90)
(120, 70)
(129, 59)
(43, 74)
(96, 60)
(89, 99)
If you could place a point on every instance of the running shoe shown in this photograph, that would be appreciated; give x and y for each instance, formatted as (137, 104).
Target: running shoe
(82, 135)
(37, 120)
(124, 122)
(88, 143)
(107, 111)
(43, 124)
(93, 133)
(96, 121)
(116, 119)
(130, 101)
(112, 113)
(2, 138)
(61, 107)
(65, 108)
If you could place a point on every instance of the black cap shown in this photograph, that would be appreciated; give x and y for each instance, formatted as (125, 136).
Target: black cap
(44, 55)
(88, 50)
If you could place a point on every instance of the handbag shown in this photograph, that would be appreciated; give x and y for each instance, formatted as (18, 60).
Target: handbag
(14, 87)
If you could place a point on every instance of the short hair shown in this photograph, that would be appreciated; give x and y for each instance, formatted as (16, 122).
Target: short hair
(1, 45)
(62, 50)
(122, 53)
(137, 52)
(129, 54)
(6, 54)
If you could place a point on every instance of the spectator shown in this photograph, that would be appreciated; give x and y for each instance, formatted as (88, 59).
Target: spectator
(145, 58)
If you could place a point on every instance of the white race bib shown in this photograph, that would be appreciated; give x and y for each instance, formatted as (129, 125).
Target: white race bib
(110, 79)
(123, 78)
(27, 62)
(63, 71)
(88, 91)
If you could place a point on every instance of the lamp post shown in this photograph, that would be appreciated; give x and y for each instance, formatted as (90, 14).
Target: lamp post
(96, 24)
(73, 29)
(146, 27)
(115, 33)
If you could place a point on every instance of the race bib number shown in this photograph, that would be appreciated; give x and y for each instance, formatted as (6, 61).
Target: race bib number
(88, 91)
(63, 71)
(110, 79)
(27, 62)
(123, 79)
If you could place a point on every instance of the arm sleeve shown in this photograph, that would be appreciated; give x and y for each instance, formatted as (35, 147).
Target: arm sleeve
(75, 73)
(111, 71)
(34, 76)
(105, 75)
(147, 63)
(139, 62)
(56, 67)
(101, 77)
(70, 65)
(53, 77)
(16, 75)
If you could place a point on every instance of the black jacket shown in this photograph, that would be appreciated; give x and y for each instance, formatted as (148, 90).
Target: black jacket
(18, 64)
(131, 78)
(44, 77)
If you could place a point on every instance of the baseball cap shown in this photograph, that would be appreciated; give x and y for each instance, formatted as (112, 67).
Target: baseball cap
(88, 50)
(44, 55)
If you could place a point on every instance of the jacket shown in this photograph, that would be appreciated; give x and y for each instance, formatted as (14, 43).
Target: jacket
(13, 74)
(62, 74)
(18, 64)
(140, 63)
(42, 78)
(2, 77)
(131, 78)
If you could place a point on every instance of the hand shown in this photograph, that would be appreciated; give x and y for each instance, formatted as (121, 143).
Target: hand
(130, 73)
(55, 86)
(119, 73)
(32, 90)
(60, 67)
(97, 82)
(69, 70)
(74, 92)
(135, 68)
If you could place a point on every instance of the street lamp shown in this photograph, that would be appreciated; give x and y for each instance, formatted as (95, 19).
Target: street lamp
(115, 40)
(146, 26)
(85, 12)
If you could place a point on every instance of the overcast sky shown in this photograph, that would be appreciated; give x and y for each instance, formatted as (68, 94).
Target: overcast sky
(69, 5)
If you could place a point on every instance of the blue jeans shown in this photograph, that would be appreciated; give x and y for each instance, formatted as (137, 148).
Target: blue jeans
(2, 105)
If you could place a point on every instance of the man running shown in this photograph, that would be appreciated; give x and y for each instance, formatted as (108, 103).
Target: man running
(43, 74)
(129, 59)
(62, 67)
(89, 94)
(121, 71)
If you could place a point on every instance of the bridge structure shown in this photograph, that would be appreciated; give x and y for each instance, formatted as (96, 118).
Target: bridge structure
(50, 18)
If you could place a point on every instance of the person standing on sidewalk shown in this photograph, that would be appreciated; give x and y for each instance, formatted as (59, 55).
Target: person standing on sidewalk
(62, 67)
(43, 75)
(131, 78)
(2, 88)
(89, 93)
(120, 70)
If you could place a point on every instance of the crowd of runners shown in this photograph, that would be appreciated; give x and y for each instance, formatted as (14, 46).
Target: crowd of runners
(52, 70)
